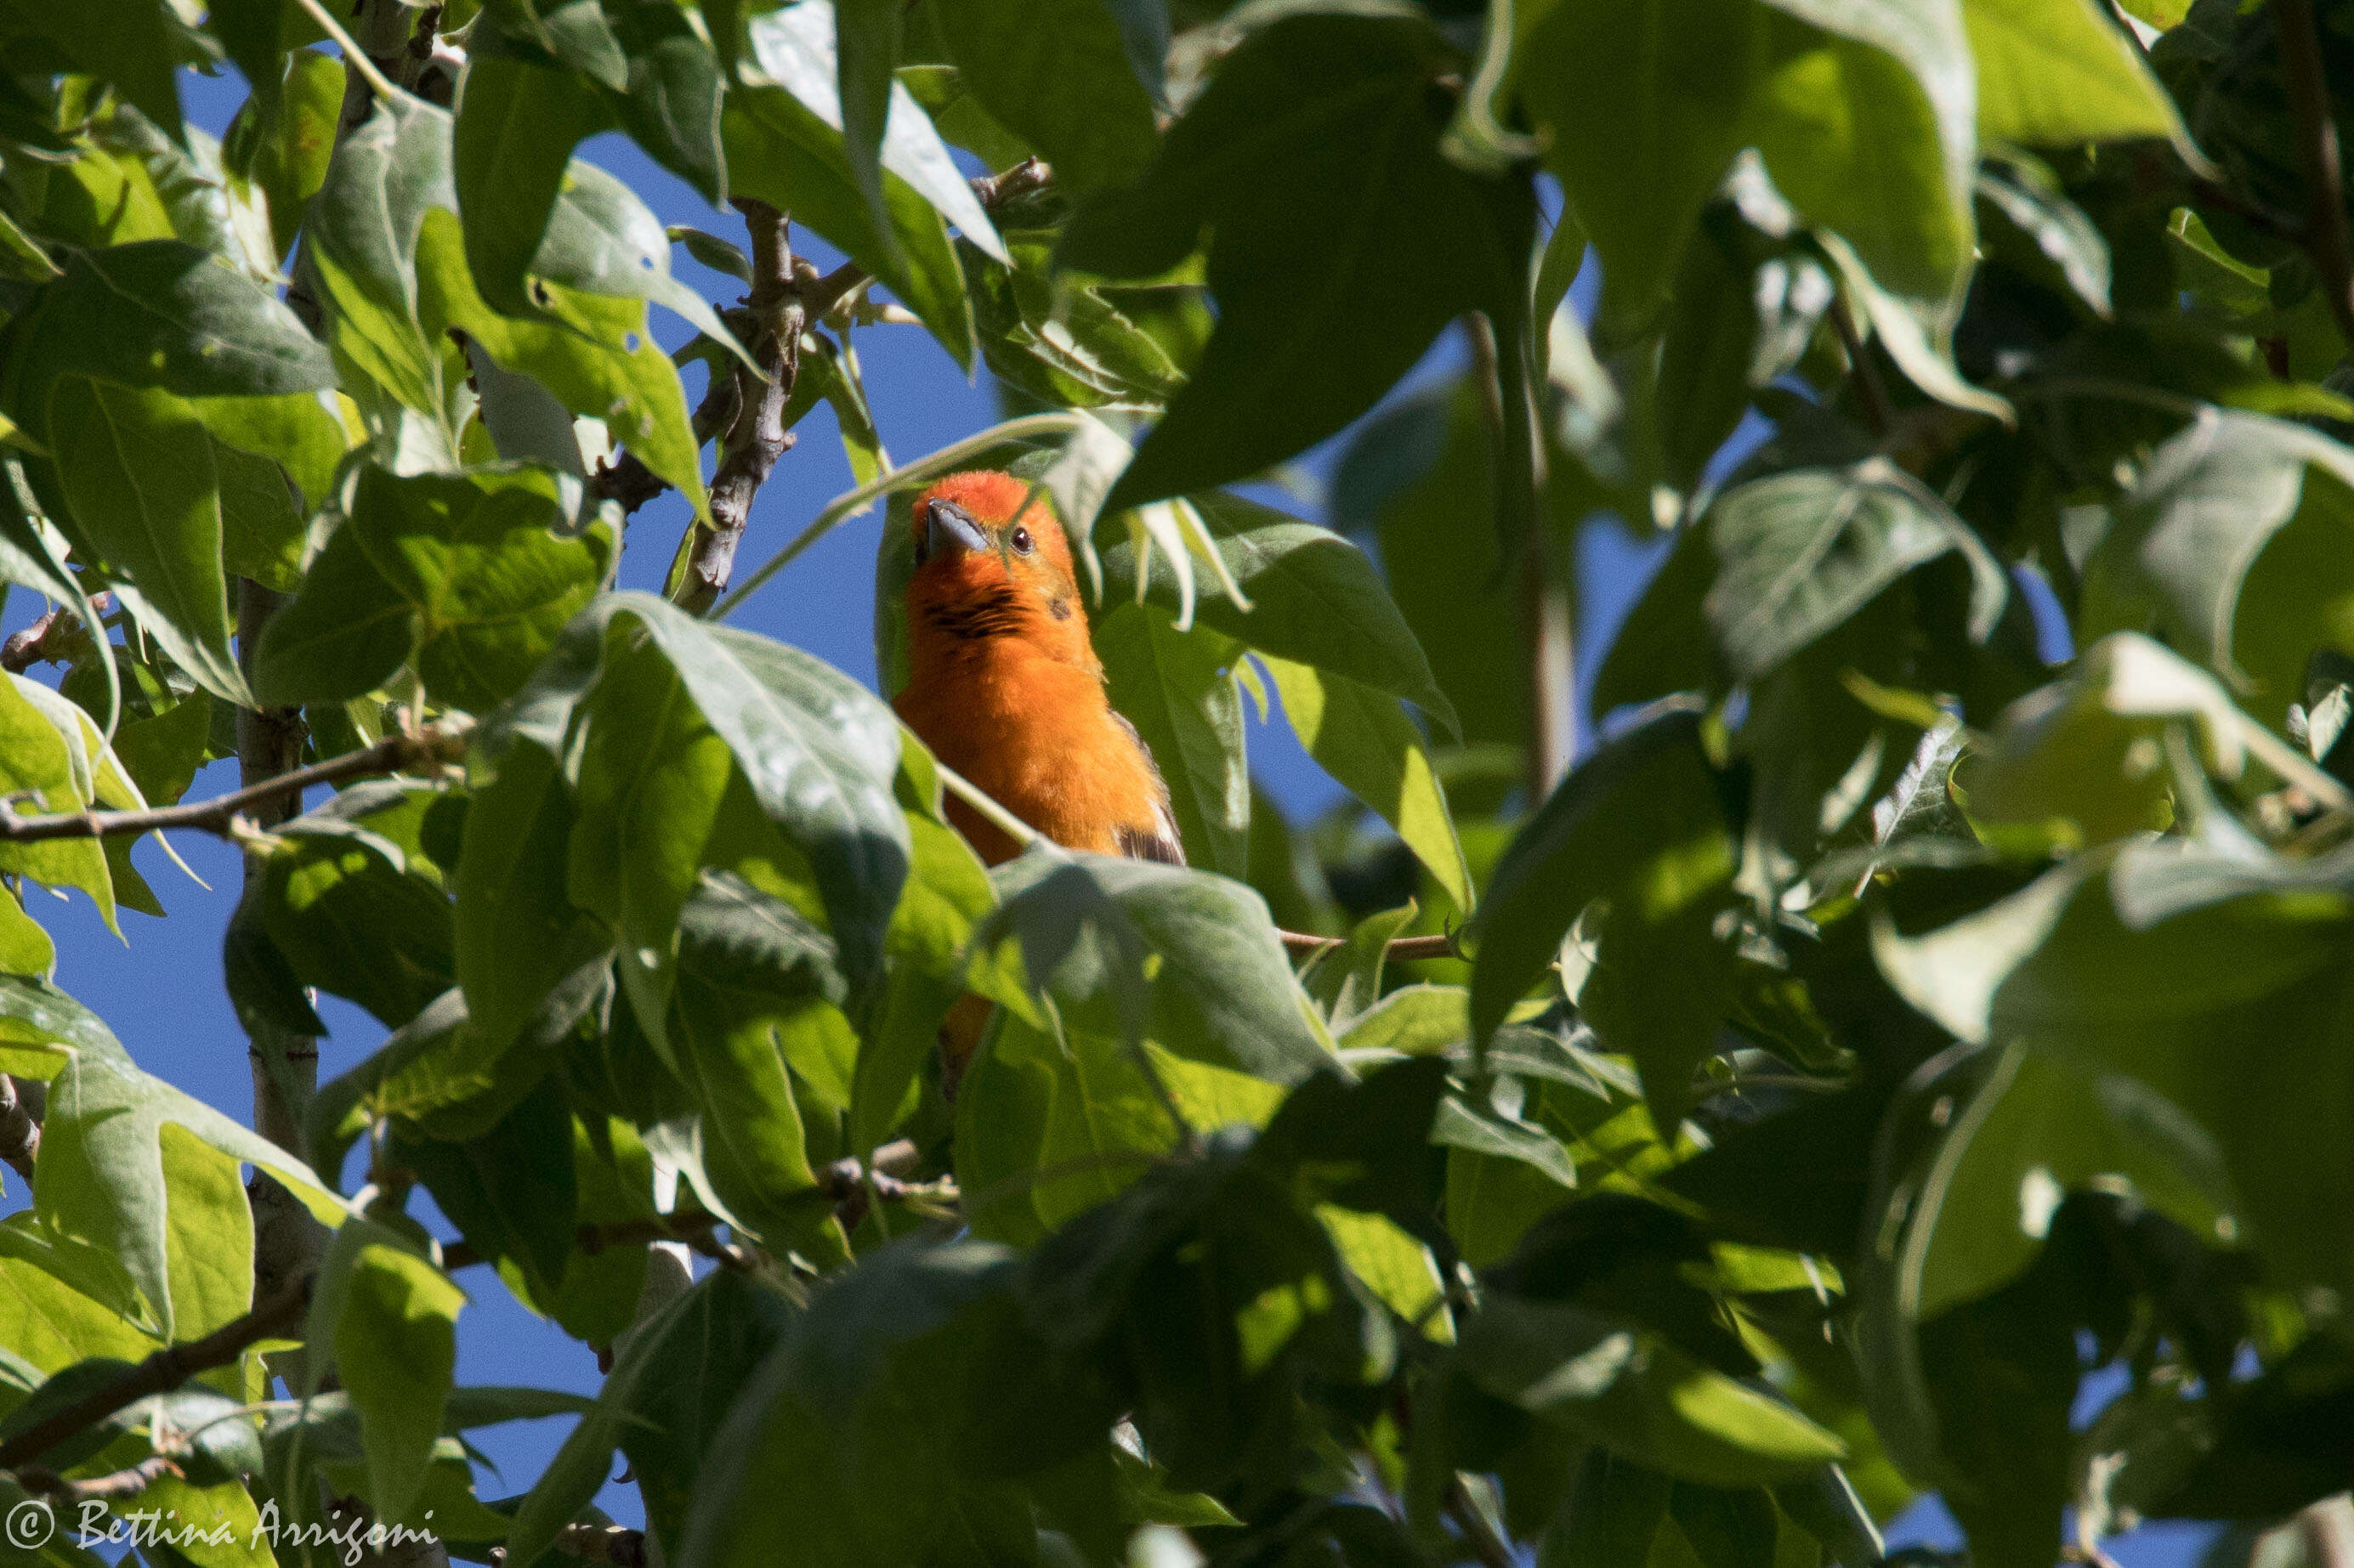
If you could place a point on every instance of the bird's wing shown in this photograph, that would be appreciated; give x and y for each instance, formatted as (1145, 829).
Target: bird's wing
(1159, 841)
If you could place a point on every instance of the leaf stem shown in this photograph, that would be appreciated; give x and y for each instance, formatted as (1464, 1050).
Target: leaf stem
(1492, 1550)
(997, 816)
(353, 56)
(1878, 411)
(165, 1371)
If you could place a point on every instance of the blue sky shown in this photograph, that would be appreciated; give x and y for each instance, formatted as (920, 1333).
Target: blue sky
(159, 988)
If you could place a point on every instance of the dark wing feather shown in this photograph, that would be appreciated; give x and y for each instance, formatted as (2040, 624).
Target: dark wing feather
(1161, 841)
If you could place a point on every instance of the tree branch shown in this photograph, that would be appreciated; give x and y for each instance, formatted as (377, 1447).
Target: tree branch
(2324, 182)
(757, 437)
(628, 479)
(57, 637)
(161, 1373)
(440, 744)
(20, 1134)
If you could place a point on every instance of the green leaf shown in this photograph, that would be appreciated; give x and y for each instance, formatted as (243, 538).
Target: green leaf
(2228, 548)
(1313, 159)
(670, 106)
(1084, 343)
(2019, 196)
(1410, 474)
(1310, 596)
(753, 1020)
(1050, 1125)
(101, 1176)
(674, 1377)
(866, 48)
(2039, 1129)
(472, 578)
(346, 911)
(1643, 105)
(516, 127)
(285, 148)
(783, 152)
(817, 752)
(391, 269)
(2054, 75)
(47, 766)
(1364, 739)
(1614, 1510)
(160, 315)
(138, 475)
(1224, 993)
(1869, 125)
(392, 1319)
(1639, 822)
(517, 934)
(129, 44)
(871, 1424)
(1058, 75)
(1799, 553)
(1178, 689)
(1641, 1395)
(2166, 963)
(796, 48)
(1346, 979)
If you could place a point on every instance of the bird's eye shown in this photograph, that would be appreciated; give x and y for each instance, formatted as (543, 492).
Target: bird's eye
(1023, 543)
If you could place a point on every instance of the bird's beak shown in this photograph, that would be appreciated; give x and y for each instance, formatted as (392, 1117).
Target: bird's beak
(948, 527)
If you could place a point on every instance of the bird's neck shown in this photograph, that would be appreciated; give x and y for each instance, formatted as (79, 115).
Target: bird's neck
(937, 653)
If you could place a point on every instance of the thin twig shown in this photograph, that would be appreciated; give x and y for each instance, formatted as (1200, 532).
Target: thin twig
(124, 1483)
(1877, 410)
(57, 638)
(630, 481)
(684, 1225)
(2324, 188)
(20, 1134)
(161, 1373)
(394, 752)
(1401, 949)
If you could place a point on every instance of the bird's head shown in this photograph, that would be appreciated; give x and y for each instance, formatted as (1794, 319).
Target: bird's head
(992, 562)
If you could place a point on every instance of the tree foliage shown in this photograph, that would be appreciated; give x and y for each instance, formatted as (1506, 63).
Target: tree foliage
(1930, 985)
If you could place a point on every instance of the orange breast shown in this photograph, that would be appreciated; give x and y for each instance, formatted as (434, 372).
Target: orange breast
(1039, 737)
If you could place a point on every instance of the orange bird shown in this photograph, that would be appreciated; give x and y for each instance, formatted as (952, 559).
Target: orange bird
(1004, 686)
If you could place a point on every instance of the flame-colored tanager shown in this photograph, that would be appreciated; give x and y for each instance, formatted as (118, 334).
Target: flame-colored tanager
(1004, 686)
